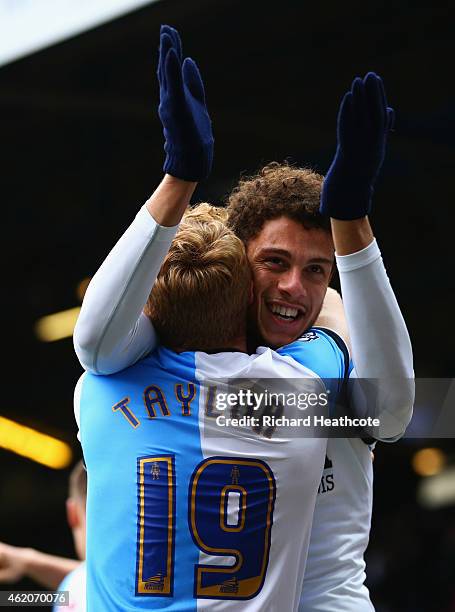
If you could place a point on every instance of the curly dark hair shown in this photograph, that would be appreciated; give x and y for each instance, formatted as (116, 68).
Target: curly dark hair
(277, 190)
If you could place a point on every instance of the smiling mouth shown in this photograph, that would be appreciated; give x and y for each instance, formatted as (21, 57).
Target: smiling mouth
(285, 313)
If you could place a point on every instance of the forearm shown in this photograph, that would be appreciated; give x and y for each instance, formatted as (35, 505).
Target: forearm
(332, 316)
(170, 200)
(47, 570)
(381, 347)
(351, 236)
(112, 332)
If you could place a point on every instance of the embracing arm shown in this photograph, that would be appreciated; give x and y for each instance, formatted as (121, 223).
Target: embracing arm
(333, 317)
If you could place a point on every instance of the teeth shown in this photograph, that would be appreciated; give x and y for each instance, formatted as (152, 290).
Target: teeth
(281, 310)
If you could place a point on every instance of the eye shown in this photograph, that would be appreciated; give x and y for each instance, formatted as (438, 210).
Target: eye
(316, 269)
(275, 261)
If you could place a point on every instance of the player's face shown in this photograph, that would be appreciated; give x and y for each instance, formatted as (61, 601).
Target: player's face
(291, 269)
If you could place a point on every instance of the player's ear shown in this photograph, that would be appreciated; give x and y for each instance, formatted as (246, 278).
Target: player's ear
(72, 514)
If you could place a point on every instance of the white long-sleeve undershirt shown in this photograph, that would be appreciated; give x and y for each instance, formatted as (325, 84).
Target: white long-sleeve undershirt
(112, 332)
(381, 347)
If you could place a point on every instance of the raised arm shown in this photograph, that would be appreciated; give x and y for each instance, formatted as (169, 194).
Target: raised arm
(112, 332)
(381, 347)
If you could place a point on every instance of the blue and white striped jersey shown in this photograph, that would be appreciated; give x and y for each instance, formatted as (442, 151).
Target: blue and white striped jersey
(180, 517)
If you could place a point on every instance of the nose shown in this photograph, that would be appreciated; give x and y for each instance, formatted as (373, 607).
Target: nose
(291, 283)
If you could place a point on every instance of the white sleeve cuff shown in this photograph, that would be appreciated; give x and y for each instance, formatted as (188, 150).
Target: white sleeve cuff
(360, 259)
(147, 224)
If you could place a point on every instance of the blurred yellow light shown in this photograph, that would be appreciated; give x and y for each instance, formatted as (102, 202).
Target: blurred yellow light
(428, 461)
(34, 445)
(57, 326)
(82, 288)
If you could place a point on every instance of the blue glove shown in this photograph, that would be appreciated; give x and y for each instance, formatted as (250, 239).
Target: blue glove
(364, 120)
(186, 123)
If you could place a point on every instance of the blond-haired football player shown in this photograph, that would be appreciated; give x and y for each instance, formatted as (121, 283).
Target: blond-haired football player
(196, 515)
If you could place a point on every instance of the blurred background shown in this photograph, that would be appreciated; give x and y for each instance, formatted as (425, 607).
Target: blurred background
(81, 150)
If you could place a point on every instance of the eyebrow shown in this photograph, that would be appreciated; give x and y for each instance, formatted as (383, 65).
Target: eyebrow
(322, 260)
(276, 251)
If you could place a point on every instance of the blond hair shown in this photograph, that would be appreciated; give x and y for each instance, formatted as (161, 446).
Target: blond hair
(200, 297)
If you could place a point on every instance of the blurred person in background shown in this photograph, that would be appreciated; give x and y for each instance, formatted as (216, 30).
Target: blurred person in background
(51, 571)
